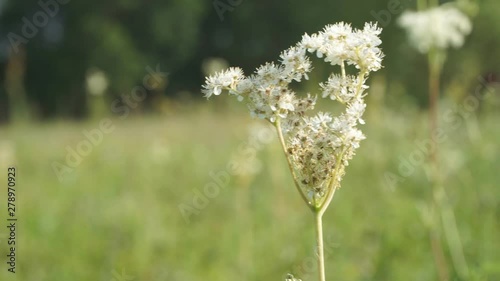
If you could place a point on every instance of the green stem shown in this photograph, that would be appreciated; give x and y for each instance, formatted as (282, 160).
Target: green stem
(331, 187)
(453, 238)
(342, 67)
(318, 215)
(360, 82)
(319, 241)
(437, 252)
(434, 75)
(440, 197)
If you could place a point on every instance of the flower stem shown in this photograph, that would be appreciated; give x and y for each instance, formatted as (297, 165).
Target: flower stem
(361, 78)
(331, 187)
(342, 67)
(437, 247)
(319, 240)
(434, 76)
(440, 197)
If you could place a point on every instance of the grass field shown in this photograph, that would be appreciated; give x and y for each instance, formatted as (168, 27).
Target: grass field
(116, 215)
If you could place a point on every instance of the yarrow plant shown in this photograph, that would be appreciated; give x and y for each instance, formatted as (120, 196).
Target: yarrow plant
(318, 146)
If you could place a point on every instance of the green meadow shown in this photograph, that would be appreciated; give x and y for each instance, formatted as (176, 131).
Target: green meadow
(144, 203)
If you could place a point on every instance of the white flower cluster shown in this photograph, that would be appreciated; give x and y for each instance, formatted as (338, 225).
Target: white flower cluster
(339, 43)
(322, 144)
(440, 27)
(319, 147)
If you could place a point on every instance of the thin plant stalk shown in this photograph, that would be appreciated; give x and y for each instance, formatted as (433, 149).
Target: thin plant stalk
(319, 240)
(437, 247)
(437, 251)
(440, 198)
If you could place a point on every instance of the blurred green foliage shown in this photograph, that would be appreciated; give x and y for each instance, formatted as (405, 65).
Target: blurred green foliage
(122, 37)
(119, 209)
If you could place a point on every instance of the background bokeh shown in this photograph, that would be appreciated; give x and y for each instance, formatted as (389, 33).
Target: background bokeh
(171, 186)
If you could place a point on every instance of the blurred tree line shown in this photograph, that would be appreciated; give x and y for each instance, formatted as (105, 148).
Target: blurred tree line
(50, 47)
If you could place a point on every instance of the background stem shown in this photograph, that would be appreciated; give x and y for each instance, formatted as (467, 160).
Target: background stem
(437, 248)
(440, 198)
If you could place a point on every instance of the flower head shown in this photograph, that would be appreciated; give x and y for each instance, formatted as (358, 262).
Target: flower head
(318, 147)
(441, 27)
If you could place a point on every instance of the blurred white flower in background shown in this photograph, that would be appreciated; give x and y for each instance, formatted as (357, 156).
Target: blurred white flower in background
(97, 82)
(441, 27)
